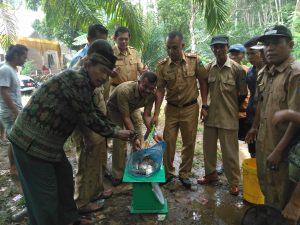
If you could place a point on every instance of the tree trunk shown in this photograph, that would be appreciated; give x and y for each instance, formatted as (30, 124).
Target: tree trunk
(277, 11)
(192, 28)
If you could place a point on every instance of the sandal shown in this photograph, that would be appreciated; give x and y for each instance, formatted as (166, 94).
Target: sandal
(85, 220)
(105, 194)
(92, 207)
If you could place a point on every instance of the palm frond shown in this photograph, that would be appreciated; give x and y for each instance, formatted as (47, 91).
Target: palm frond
(216, 13)
(8, 26)
(123, 13)
(82, 13)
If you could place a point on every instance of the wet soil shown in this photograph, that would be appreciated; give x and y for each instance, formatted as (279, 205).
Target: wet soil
(205, 205)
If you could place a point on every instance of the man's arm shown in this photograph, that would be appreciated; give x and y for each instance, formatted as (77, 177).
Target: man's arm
(147, 116)
(159, 97)
(9, 102)
(283, 116)
(127, 121)
(252, 133)
(242, 86)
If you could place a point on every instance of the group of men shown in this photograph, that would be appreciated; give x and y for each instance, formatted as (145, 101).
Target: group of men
(106, 86)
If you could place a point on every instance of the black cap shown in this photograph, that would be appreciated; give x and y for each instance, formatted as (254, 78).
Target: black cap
(103, 48)
(220, 39)
(251, 42)
(276, 31)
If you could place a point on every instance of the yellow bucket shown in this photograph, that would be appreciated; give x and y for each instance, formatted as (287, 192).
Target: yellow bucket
(252, 192)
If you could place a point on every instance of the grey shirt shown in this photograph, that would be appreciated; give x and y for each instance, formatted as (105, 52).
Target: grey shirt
(9, 78)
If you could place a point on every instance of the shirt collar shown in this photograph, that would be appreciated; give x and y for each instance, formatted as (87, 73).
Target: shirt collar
(182, 60)
(283, 65)
(228, 63)
(118, 52)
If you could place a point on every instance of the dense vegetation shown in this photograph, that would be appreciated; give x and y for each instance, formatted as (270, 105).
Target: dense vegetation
(151, 20)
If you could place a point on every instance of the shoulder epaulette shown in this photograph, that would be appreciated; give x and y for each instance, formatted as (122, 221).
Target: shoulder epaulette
(162, 61)
(191, 55)
(132, 47)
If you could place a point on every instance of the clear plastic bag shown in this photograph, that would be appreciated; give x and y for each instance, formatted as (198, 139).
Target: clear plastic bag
(146, 162)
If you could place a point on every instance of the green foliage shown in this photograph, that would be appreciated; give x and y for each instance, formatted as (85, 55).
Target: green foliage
(27, 68)
(154, 46)
(216, 13)
(8, 26)
(175, 15)
(4, 217)
(296, 49)
(33, 4)
(62, 32)
(81, 14)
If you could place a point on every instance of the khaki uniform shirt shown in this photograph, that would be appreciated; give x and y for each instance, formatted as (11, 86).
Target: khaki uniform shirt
(180, 80)
(280, 87)
(126, 98)
(225, 85)
(129, 64)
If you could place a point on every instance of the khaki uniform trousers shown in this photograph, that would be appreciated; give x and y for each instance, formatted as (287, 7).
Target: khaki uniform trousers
(275, 185)
(91, 160)
(119, 153)
(229, 148)
(184, 119)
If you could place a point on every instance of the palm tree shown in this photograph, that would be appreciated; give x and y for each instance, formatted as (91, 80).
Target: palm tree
(216, 13)
(82, 13)
(8, 26)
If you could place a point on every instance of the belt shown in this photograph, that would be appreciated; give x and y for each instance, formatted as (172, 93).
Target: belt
(184, 105)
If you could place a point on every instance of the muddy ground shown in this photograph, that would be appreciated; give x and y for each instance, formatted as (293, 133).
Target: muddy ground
(206, 205)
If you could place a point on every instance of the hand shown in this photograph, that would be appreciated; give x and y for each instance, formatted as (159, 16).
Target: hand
(154, 120)
(157, 137)
(251, 135)
(124, 135)
(273, 160)
(137, 144)
(115, 72)
(281, 116)
(291, 212)
(82, 60)
(203, 114)
(145, 68)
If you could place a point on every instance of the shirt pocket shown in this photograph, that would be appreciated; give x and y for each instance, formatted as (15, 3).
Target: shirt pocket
(120, 62)
(189, 73)
(132, 61)
(227, 84)
(170, 78)
(280, 99)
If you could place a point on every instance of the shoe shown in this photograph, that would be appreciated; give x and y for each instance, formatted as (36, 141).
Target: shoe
(234, 190)
(91, 207)
(186, 182)
(168, 180)
(105, 194)
(220, 170)
(115, 181)
(210, 178)
(86, 220)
